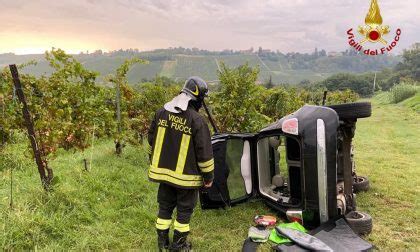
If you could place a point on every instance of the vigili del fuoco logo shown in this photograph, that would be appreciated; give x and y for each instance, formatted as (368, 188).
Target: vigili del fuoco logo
(373, 32)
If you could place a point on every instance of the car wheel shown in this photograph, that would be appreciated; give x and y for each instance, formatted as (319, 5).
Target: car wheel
(353, 110)
(361, 184)
(360, 223)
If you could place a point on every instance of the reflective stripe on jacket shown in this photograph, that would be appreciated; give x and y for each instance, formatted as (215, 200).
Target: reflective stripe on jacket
(181, 153)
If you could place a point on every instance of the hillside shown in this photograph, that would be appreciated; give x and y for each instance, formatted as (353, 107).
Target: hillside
(290, 68)
(113, 206)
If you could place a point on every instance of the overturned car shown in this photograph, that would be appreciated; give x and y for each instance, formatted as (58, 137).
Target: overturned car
(301, 165)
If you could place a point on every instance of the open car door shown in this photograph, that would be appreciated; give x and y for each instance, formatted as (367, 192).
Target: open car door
(233, 171)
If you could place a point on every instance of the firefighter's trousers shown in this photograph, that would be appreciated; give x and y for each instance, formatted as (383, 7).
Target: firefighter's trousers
(170, 197)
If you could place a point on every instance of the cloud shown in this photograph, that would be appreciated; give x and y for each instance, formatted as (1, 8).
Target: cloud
(299, 25)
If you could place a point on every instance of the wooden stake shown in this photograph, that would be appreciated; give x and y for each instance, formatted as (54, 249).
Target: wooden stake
(91, 152)
(30, 127)
(86, 164)
(374, 83)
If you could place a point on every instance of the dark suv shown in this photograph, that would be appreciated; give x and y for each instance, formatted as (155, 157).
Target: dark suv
(301, 165)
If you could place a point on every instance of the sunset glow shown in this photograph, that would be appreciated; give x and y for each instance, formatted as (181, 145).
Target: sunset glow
(35, 44)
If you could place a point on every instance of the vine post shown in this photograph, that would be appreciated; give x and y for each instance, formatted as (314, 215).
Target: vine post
(46, 174)
(118, 144)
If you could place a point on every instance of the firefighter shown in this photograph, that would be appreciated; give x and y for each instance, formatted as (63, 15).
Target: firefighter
(181, 161)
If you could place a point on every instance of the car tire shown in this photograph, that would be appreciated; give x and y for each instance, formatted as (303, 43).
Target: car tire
(353, 110)
(360, 223)
(361, 184)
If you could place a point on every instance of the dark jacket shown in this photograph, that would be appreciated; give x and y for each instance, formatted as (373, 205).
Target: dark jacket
(182, 153)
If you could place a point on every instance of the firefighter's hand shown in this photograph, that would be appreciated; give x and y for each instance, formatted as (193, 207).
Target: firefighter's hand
(208, 184)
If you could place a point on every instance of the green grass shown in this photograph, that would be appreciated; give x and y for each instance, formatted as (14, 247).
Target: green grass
(113, 206)
(413, 102)
(402, 91)
(388, 151)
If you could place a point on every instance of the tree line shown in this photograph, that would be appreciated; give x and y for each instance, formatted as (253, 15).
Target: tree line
(366, 84)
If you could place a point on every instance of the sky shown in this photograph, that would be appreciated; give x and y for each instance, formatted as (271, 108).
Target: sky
(34, 26)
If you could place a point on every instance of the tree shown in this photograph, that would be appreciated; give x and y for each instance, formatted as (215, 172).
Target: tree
(343, 81)
(235, 106)
(65, 106)
(316, 54)
(123, 99)
(150, 98)
(410, 66)
(305, 83)
(269, 84)
(281, 101)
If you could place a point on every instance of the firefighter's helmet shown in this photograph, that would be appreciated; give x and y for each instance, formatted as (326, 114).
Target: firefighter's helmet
(196, 88)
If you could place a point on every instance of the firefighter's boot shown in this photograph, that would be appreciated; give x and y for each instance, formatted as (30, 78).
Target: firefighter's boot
(180, 242)
(163, 239)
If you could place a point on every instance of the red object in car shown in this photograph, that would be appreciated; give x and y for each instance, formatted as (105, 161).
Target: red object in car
(294, 215)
